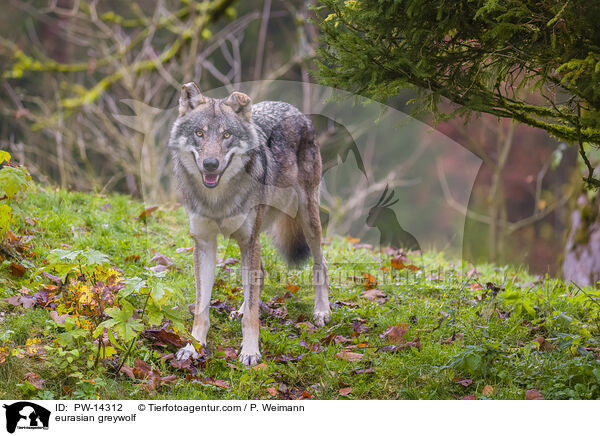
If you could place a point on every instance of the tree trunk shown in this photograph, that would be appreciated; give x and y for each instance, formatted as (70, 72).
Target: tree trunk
(582, 252)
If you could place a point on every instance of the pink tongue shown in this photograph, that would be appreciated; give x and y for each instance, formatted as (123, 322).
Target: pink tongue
(211, 178)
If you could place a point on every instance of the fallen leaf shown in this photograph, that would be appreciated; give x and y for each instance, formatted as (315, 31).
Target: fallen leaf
(26, 301)
(369, 281)
(475, 287)
(132, 258)
(272, 391)
(221, 384)
(24, 290)
(161, 259)
(544, 344)
(397, 262)
(468, 397)
(128, 371)
(359, 325)
(336, 339)
(60, 319)
(305, 395)
(464, 382)
(259, 367)
(147, 212)
(395, 334)
(17, 269)
(35, 380)
(184, 249)
(164, 337)
(375, 295)
(314, 346)
(488, 390)
(293, 288)
(353, 240)
(349, 356)
(534, 394)
(230, 352)
(141, 369)
(345, 391)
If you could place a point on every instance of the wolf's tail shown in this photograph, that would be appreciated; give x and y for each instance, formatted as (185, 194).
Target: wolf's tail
(290, 241)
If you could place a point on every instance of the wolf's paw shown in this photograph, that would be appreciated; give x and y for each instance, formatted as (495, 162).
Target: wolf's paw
(187, 352)
(249, 359)
(321, 318)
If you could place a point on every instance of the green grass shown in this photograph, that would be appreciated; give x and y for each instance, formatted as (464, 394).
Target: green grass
(464, 334)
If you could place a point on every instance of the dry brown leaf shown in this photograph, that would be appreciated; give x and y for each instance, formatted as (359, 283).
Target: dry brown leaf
(35, 380)
(272, 391)
(349, 356)
(161, 259)
(464, 382)
(544, 344)
(17, 269)
(128, 371)
(395, 334)
(24, 290)
(164, 337)
(369, 281)
(375, 295)
(259, 367)
(488, 390)
(304, 395)
(60, 319)
(534, 394)
(221, 384)
(147, 212)
(345, 391)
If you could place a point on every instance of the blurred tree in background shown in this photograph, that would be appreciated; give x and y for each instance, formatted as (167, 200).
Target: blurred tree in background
(537, 63)
(67, 66)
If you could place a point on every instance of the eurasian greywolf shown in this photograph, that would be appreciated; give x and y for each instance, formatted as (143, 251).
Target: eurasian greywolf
(243, 168)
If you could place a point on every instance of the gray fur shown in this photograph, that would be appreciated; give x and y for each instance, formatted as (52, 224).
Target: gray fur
(268, 177)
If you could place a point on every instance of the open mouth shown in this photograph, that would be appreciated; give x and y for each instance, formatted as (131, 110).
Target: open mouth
(210, 180)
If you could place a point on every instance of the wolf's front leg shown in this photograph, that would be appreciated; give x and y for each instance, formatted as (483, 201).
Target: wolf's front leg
(205, 254)
(252, 280)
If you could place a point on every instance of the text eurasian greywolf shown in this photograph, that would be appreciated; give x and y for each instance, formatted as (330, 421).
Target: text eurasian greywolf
(243, 168)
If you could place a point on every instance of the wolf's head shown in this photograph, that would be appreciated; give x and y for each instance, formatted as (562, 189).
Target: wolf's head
(210, 136)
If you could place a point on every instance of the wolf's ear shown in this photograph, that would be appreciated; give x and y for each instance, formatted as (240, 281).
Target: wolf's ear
(241, 104)
(190, 98)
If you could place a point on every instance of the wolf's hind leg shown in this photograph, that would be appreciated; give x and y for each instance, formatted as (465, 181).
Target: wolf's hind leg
(311, 226)
(205, 254)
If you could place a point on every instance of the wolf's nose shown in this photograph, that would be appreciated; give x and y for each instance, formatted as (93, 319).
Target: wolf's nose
(210, 164)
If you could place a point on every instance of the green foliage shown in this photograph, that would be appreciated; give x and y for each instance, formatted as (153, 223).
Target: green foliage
(484, 55)
(463, 330)
(14, 182)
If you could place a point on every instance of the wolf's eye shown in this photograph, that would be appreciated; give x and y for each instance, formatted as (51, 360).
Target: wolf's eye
(199, 133)
(226, 135)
